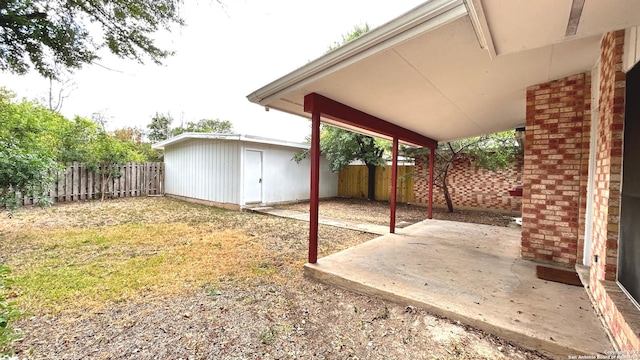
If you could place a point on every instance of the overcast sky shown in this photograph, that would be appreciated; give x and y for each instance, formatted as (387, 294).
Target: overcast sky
(223, 54)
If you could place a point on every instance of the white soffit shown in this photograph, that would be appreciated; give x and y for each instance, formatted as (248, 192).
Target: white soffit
(519, 25)
(460, 75)
(441, 84)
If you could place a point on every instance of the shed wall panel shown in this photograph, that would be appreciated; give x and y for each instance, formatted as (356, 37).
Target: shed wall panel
(285, 180)
(211, 169)
(204, 169)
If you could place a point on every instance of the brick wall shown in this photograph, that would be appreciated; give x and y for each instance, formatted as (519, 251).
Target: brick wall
(471, 186)
(553, 175)
(609, 156)
(618, 311)
(584, 165)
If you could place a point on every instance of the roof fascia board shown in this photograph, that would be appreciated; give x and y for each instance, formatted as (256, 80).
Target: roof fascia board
(316, 103)
(423, 18)
(191, 135)
(480, 26)
(268, 141)
(229, 137)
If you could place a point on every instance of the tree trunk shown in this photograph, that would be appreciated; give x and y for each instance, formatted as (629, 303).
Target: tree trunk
(447, 198)
(371, 182)
(445, 191)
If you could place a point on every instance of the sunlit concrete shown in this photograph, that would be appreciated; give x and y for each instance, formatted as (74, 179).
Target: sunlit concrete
(471, 273)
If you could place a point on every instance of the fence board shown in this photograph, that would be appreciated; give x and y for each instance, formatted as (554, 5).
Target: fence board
(121, 182)
(135, 179)
(76, 182)
(82, 191)
(353, 182)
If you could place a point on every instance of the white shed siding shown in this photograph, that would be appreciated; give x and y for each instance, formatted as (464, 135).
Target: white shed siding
(212, 169)
(203, 169)
(285, 180)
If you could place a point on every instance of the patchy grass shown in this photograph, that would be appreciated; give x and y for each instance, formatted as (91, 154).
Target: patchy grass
(82, 257)
(150, 278)
(90, 267)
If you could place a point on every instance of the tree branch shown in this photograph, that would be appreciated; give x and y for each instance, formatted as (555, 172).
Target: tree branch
(36, 15)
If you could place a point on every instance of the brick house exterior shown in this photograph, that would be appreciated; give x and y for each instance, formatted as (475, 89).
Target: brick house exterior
(556, 176)
(472, 187)
(555, 148)
(450, 69)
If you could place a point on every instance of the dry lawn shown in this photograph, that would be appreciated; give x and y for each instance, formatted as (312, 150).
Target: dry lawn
(159, 278)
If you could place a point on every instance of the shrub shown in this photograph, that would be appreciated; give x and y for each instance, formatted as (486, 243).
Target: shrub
(9, 313)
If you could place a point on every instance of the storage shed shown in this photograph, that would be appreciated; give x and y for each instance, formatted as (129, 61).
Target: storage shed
(233, 170)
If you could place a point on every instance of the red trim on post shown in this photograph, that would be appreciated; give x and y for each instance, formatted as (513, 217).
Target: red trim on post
(315, 188)
(394, 185)
(332, 109)
(432, 151)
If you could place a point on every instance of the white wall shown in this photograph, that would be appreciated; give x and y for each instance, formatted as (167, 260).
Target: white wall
(204, 169)
(212, 170)
(285, 180)
(631, 48)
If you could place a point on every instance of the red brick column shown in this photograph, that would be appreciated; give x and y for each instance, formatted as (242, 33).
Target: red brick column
(553, 175)
(608, 170)
(619, 313)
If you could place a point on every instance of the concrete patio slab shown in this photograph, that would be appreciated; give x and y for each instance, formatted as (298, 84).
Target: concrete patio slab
(471, 273)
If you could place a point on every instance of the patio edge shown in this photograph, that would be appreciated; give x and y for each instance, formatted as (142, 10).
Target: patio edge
(543, 346)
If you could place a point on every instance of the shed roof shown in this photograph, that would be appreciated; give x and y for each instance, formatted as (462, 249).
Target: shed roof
(451, 69)
(227, 137)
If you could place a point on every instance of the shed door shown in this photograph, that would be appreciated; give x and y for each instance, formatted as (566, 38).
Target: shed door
(629, 247)
(252, 176)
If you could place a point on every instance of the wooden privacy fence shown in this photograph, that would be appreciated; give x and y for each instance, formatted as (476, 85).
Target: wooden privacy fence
(352, 182)
(76, 182)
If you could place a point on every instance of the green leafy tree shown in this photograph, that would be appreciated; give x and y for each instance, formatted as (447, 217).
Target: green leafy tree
(34, 141)
(160, 127)
(205, 125)
(492, 152)
(134, 137)
(76, 139)
(129, 134)
(357, 31)
(341, 147)
(27, 151)
(54, 34)
(86, 141)
(105, 154)
(24, 172)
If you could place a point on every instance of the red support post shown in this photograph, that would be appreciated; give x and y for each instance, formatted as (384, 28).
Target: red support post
(394, 185)
(432, 155)
(315, 187)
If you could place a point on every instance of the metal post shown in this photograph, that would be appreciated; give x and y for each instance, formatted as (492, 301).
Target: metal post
(432, 155)
(315, 187)
(394, 185)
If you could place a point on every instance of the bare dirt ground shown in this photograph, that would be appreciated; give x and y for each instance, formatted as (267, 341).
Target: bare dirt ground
(377, 212)
(269, 312)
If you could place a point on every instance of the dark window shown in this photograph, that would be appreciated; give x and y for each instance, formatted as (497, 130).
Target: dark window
(629, 246)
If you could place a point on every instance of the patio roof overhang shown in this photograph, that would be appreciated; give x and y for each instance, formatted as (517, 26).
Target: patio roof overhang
(446, 70)
(451, 69)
